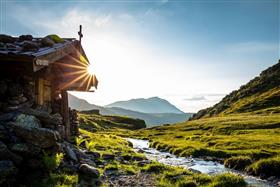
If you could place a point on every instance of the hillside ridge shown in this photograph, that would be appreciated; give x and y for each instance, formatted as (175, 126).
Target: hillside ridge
(149, 105)
(260, 95)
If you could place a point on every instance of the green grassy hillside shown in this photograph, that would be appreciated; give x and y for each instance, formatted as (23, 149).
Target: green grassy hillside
(260, 95)
(95, 122)
(243, 130)
(234, 135)
(134, 167)
(230, 139)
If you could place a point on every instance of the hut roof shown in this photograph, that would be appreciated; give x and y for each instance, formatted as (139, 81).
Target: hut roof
(40, 53)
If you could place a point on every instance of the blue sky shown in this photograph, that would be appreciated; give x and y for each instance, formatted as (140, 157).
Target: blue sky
(189, 52)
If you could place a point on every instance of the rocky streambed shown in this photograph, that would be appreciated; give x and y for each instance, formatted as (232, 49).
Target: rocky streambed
(193, 164)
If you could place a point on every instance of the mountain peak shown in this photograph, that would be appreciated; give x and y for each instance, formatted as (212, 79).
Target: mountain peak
(147, 105)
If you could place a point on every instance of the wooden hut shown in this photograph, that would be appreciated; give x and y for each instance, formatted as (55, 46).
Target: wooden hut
(37, 73)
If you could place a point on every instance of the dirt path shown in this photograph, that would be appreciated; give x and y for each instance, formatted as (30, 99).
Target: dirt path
(141, 179)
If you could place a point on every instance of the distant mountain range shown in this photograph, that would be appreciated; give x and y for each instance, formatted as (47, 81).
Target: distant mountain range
(150, 105)
(153, 115)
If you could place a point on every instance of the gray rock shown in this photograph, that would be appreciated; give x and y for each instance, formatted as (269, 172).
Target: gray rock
(89, 170)
(7, 169)
(25, 149)
(5, 153)
(89, 162)
(80, 154)
(96, 155)
(40, 137)
(108, 157)
(13, 102)
(28, 120)
(29, 46)
(20, 147)
(22, 99)
(70, 153)
(27, 37)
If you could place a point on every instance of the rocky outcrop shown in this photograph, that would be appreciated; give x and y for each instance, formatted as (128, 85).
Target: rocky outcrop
(89, 170)
(41, 137)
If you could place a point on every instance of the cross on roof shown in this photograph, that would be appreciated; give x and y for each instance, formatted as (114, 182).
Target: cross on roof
(80, 34)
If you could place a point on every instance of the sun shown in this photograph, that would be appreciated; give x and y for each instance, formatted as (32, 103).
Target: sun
(90, 69)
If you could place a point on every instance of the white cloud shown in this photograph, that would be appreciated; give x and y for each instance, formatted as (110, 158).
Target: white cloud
(128, 65)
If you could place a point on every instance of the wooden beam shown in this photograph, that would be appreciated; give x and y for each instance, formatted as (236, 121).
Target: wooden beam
(65, 114)
(40, 91)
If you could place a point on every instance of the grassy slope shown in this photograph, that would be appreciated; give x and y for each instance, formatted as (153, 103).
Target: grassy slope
(261, 95)
(105, 140)
(254, 135)
(94, 122)
(245, 126)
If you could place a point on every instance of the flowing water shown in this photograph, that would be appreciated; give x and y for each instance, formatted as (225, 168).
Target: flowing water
(203, 166)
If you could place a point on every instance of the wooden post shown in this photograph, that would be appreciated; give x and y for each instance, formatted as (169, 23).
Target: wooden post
(40, 91)
(65, 114)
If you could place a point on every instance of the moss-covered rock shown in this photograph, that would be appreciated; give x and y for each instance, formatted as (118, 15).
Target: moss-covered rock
(239, 162)
(265, 167)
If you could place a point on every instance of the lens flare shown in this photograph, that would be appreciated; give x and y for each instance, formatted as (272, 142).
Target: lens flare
(90, 69)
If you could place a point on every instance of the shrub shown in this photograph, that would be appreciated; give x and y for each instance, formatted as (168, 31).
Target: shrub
(228, 180)
(52, 162)
(89, 145)
(63, 180)
(55, 38)
(79, 141)
(265, 167)
(238, 162)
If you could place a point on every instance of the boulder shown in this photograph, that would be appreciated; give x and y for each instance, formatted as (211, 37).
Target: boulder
(96, 155)
(7, 169)
(28, 120)
(89, 170)
(40, 137)
(5, 153)
(29, 46)
(45, 118)
(25, 149)
(70, 153)
(88, 161)
(27, 37)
